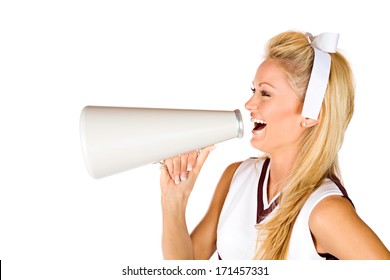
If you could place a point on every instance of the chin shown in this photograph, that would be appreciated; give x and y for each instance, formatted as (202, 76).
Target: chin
(258, 145)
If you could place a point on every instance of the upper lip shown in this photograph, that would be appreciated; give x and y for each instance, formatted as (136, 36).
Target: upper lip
(258, 120)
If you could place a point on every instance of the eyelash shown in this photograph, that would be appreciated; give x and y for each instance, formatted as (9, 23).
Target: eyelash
(263, 92)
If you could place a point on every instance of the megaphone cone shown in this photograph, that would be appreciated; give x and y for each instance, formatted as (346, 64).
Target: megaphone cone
(116, 139)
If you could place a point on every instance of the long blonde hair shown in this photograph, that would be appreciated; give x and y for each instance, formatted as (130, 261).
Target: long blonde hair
(320, 144)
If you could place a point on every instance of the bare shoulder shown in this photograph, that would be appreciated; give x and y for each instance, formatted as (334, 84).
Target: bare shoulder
(231, 169)
(329, 215)
(337, 229)
(222, 190)
(225, 180)
(331, 205)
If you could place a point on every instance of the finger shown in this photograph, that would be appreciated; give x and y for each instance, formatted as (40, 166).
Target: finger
(191, 160)
(176, 169)
(183, 167)
(204, 153)
(163, 165)
(164, 177)
(169, 164)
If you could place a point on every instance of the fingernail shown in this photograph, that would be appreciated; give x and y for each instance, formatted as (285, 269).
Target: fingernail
(183, 176)
(189, 167)
(177, 179)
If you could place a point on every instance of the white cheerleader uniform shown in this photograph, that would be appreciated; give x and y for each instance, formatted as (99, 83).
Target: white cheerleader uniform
(247, 205)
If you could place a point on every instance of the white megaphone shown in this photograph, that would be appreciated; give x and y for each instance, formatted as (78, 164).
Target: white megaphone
(115, 139)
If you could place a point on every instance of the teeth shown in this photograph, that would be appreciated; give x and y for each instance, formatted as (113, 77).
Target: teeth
(258, 121)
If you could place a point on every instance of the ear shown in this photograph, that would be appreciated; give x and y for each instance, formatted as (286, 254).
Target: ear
(306, 122)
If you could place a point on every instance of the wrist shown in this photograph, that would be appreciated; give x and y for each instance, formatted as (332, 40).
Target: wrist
(173, 205)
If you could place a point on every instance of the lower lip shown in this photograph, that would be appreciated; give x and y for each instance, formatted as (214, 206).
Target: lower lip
(258, 131)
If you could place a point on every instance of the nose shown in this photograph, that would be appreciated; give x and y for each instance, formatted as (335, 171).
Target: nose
(252, 104)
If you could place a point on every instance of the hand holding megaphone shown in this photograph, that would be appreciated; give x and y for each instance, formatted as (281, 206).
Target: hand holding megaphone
(116, 139)
(179, 167)
(178, 175)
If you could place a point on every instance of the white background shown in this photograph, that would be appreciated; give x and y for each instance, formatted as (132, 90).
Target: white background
(56, 57)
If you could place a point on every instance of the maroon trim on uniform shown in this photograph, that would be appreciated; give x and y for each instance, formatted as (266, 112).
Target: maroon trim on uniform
(336, 180)
(261, 212)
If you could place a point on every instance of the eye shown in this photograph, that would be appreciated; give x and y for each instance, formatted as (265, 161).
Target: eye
(264, 93)
(253, 89)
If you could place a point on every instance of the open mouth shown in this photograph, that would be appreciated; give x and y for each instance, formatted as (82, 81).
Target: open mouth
(258, 124)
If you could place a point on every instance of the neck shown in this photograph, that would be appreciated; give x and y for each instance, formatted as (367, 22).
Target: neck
(280, 168)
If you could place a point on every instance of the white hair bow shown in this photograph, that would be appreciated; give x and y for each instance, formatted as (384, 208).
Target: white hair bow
(322, 44)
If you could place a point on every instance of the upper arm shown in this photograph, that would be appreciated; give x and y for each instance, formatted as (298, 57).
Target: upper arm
(204, 236)
(338, 230)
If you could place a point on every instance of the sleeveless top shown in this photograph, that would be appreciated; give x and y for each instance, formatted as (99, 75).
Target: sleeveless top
(247, 204)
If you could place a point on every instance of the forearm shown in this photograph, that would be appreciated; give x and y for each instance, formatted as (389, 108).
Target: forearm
(176, 240)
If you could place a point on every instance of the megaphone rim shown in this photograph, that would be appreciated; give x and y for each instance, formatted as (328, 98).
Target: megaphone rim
(240, 130)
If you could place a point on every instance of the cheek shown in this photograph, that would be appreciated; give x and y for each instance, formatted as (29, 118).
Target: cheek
(286, 124)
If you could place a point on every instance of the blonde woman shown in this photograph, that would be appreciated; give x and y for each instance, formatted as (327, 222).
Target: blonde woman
(290, 204)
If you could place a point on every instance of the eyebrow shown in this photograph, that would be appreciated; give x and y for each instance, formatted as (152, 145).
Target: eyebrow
(259, 84)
